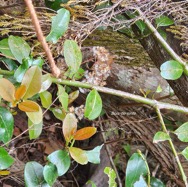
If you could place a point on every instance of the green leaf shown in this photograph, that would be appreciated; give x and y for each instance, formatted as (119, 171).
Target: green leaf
(60, 24)
(46, 99)
(34, 129)
(35, 117)
(10, 64)
(112, 176)
(19, 48)
(73, 96)
(79, 74)
(185, 153)
(127, 149)
(32, 80)
(135, 168)
(6, 125)
(55, 4)
(160, 137)
(19, 73)
(78, 155)
(7, 90)
(93, 106)
(92, 183)
(163, 21)
(182, 132)
(94, 155)
(58, 113)
(69, 126)
(33, 174)
(162, 33)
(63, 97)
(50, 173)
(4, 48)
(159, 89)
(38, 62)
(73, 55)
(61, 160)
(141, 182)
(171, 70)
(156, 182)
(5, 159)
(46, 82)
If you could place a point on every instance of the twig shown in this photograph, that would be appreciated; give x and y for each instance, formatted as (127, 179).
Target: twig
(110, 91)
(172, 147)
(41, 38)
(161, 40)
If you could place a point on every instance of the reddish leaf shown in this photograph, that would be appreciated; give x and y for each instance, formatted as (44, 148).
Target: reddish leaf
(7, 90)
(85, 133)
(28, 106)
(78, 155)
(20, 92)
(69, 126)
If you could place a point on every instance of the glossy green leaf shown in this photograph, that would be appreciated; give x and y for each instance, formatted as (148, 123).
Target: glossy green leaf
(32, 80)
(63, 97)
(60, 24)
(160, 137)
(19, 48)
(182, 132)
(73, 55)
(156, 182)
(163, 21)
(69, 126)
(127, 149)
(4, 48)
(6, 125)
(35, 117)
(38, 62)
(46, 82)
(162, 33)
(46, 99)
(140, 182)
(58, 113)
(10, 64)
(73, 96)
(93, 106)
(171, 70)
(50, 173)
(78, 155)
(112, 176)
(61, 160)
(34, 129)
(7, 90)
(33, 174)
(185, 153)
(135, 168)
(55, 4)
(19, 73)
(94, 155)
(5, 159)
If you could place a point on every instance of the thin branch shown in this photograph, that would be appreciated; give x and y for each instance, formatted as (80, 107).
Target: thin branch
(172, 147)
(41, 38)
(123, 94)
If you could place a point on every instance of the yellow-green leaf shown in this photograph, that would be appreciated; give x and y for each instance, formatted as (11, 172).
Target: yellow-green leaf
(20, 92)
(32, 81)
(73, 96)
(69, 126)
(28, 106)
(63, 97)
(34, 129)
(7, 90)
(78, 155)
(46, 99)
(35, 117)
(85, 133)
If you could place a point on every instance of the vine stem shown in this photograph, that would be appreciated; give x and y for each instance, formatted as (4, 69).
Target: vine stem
(122, 94)
(172, 147)
(55, 70)
(161, 40)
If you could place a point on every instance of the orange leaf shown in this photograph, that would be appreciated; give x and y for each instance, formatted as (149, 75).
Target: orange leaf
(28, 106)
(85, 133)
(7, 90)
(78, 155)
(69, 126)
(20, 92)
